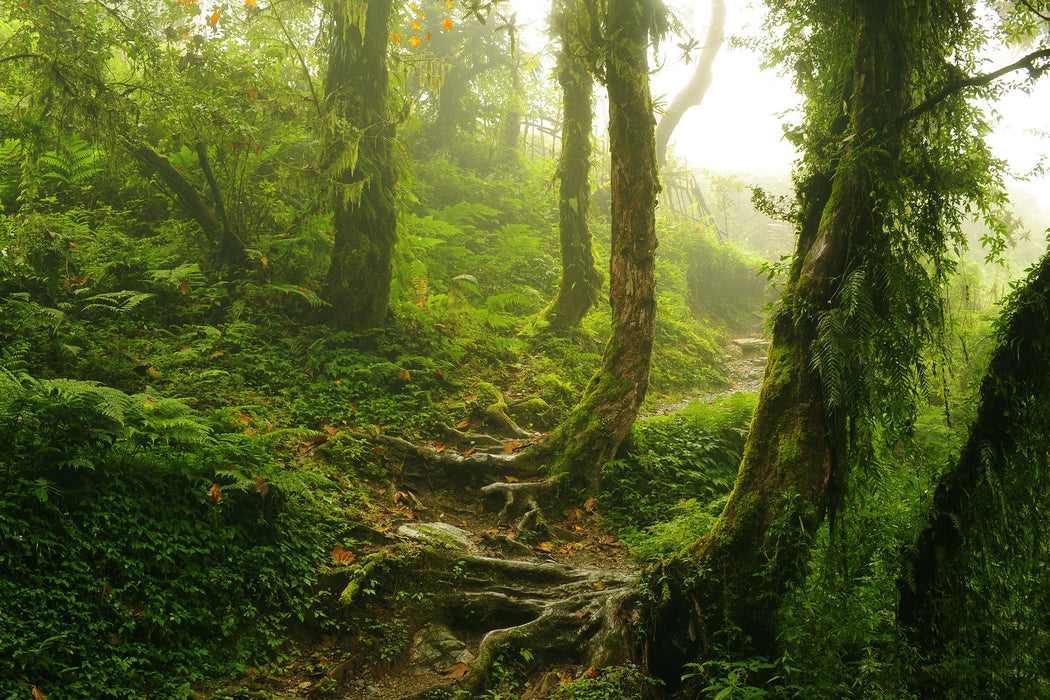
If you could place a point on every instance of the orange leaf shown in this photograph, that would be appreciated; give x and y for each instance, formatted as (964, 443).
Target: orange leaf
(214, 19)
(512, 479)
(415, 41)
(37, 695)
(216, 494)
(447, 24)
(438, 447)
(468, 452)
(403, 375)
(416, 25)
(448, 4)
(331, 429)
(395, 38)
(153, 373)
(590, 504)
(342, 557)
(456, 671)
(428, 36)
(512, 445)
(544, 547)
(217, 353)
(463, 424)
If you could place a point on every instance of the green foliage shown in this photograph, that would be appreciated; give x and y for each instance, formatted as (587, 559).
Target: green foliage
(673, 472)
(128, 569)
(624, 682)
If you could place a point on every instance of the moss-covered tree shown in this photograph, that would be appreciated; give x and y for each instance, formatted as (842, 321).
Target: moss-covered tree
(593, 431)
(580, 279)
(877, 215)
(358, 159)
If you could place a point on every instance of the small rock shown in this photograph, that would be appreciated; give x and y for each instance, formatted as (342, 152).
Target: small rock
(436, 647)
(436, 535)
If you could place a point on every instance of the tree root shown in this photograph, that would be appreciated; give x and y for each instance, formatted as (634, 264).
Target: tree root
(519, 499)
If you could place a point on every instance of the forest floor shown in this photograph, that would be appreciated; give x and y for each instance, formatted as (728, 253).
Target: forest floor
(576, 553)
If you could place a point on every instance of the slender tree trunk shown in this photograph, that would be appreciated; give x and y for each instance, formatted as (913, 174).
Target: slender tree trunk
(594, 430)
(693, 92)
(580, 280)
(357, 286)
(217, 232)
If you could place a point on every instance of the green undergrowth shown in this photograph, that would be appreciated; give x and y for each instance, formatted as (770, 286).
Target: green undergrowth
(144, 549)
(674, 472)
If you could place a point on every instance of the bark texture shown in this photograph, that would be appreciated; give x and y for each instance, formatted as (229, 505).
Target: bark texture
(594, 430)
(727, 594)
(357, 286)
(997, 458)
(693, 92)
(580, 280)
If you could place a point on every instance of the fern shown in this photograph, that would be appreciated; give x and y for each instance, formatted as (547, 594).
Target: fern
(77, 162)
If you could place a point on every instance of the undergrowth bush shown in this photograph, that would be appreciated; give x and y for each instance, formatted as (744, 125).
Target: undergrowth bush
(672, 467)
(141, 551)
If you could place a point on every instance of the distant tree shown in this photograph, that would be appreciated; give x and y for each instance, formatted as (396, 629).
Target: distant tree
(574, 21)
(358, 162)
(693, 93)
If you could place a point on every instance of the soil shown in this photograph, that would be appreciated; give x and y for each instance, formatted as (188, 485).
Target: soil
(318, 666)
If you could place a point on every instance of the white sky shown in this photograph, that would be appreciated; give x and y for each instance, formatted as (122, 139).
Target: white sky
(737, 128)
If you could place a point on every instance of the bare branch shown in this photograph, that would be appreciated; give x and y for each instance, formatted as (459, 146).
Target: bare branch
(1028, 62)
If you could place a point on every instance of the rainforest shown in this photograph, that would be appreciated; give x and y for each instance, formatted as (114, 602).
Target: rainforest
(364, 349)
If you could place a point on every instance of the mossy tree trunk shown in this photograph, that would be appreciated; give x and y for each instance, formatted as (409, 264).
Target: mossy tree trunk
(593, 431)
(580, 280)
(985, 505)
(726, 594)
(358, 158)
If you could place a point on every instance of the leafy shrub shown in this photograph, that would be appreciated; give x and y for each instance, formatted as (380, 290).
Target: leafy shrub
(128, 570)
(688, 458)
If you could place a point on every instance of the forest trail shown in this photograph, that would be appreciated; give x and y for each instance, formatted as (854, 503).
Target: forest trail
(513, 570)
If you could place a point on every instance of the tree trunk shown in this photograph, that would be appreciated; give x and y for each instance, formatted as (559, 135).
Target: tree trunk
(231, 247)
(356, 97)
(591, 434)
(727, 593)
(693, 92)
(999, 465)
(580, 280)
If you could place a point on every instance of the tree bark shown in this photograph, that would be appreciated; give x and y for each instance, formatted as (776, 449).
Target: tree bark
(996, 459)
(693, 92)
(231, 247)
(726, 594)
(357, 286)
(591, 434)
(580, 280)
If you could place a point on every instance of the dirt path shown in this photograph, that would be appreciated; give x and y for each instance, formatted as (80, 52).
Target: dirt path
(744, 370)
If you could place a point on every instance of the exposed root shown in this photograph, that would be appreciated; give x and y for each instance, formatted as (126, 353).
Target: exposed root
(519, 498)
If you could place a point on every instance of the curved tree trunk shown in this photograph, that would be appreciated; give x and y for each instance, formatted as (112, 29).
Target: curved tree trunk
(580, 280)
(356, 94)
(935, 599)
(693, 92)
(728, 592)
(591, 434)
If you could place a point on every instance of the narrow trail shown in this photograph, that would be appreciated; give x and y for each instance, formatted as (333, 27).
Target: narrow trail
(514, 583)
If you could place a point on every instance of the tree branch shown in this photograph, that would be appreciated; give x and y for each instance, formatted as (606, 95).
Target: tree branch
(955, 86)
(1034, 11)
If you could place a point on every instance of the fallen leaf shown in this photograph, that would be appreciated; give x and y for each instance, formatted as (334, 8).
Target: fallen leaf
(37, 695)
(590, 504)
(403, 375)
(216, 493)
(260, 486)
(217, 353)
(456, 671)
(331, 429)
(512, 445)
(512, 479)
(544, 547)
(438, 447)
(342, 557)
(599, 585)
(464, 424)
(469, 452)
(153, 373)
(400, 496)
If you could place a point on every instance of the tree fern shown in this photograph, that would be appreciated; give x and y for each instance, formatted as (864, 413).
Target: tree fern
(73, 164)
